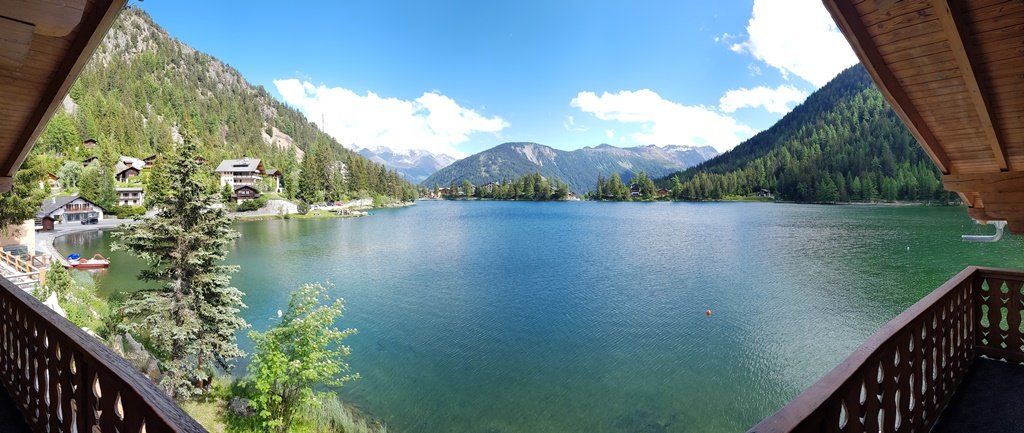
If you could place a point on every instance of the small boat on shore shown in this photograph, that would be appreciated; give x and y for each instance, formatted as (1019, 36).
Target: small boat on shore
(96, 262)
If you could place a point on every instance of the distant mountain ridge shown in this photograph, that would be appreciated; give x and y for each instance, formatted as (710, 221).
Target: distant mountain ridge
(579, 168)
(415, 165)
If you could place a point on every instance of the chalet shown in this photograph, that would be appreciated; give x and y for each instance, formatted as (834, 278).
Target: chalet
(490, 186)
(278, 179)
(127, 168)
(240, 172)
(89, 143)
(51, 181)
(663, 192)
(244, 193)
(200, 160)
(131, 196)
(71, 208)
(149, 160)
(90, 161)
(764, 193)
(634, 190)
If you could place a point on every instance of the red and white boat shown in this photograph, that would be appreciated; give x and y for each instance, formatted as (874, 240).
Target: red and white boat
(96, 262)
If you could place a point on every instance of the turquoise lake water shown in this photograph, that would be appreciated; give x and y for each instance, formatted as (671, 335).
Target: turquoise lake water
(590, 317)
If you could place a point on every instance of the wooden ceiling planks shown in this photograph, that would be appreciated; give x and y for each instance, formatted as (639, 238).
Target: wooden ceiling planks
(952, 20)
(956, 70)
(64, 35)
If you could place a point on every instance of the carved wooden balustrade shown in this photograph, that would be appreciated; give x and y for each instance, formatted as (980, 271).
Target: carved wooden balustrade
(64, 380)
(901, 378)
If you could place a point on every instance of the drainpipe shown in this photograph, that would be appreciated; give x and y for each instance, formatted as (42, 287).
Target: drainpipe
(986, 238)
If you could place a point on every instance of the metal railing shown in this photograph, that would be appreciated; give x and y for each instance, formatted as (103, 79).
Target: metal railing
(903, 376)
(64, 380)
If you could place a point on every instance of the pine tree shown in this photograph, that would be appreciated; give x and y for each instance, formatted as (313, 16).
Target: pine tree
(192, 318)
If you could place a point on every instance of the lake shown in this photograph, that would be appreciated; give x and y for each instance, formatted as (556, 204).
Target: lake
(590, 317)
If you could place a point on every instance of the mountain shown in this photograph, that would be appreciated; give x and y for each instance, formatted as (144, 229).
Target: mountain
(143, 90)
(414, 165)
(579, 168)
(844, 143)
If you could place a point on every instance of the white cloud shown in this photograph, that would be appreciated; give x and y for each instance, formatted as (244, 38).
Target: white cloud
(775, 100)
(662, 121)
(610, 133)
(797, 37)
(570, 124)
(431, 122)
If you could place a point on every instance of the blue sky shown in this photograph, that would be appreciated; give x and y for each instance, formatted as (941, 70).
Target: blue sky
(460, 76)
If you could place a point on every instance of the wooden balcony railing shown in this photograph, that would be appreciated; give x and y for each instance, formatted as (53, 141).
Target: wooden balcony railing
(901, 378)
(64, 380)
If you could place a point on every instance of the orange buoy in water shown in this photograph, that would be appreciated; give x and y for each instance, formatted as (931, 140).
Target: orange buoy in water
(708, 312)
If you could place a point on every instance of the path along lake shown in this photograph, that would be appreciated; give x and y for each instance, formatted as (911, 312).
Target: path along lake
(590, 317)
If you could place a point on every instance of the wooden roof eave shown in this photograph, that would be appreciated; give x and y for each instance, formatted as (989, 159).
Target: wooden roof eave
(96, 20)
(959, 37)
(848, 19)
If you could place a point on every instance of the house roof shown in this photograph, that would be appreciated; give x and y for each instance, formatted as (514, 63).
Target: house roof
(951, 71)
(129, 189)
(45, 46)
(50, 205)
(245, 164)
(126, 162)
(246, 187)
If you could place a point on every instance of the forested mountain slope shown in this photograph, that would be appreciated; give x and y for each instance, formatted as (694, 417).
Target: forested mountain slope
(143, 89)
(844, 143)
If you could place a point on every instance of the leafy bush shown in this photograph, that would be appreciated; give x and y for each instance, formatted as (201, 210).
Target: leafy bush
(303, 207)
(128, 211)
(250, 205)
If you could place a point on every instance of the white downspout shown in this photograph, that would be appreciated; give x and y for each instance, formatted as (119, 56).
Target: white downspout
(986, 238)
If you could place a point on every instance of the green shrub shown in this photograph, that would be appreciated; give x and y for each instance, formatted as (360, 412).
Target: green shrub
(250, 205)
(128, 211)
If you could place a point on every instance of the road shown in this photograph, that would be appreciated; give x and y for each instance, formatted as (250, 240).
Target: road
(44, 240)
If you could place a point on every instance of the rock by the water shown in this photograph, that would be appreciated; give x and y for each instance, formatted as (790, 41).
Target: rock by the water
(239, 406)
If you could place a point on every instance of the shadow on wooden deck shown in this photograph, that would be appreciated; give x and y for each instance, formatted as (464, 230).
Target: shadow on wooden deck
(990, 399)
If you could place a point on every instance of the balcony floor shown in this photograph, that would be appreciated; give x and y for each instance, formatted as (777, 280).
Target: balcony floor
(10, 419)
(990, 399)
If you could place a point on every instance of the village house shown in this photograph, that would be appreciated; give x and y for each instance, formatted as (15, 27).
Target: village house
(51, 181)
(663, 192)
(127, 168)
(278, 179)
(240, 172)
(131, 196)
(67, 209)
(244, 193)
(89, 143)
(634, 190)
(764, 193)
(149, 160)
(490, 186)
(90, 161)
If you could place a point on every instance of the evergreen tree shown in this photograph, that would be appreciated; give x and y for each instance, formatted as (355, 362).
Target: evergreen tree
(191, 319)
(157, 186)
(23, 200)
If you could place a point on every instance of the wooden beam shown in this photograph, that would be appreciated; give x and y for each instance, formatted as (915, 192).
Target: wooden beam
(90, 33)
(955, 28)
(991, 182)
(849, 21)
(50, 17)
(15, 41)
